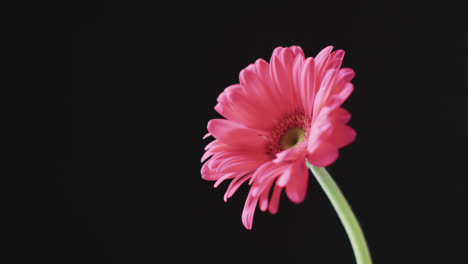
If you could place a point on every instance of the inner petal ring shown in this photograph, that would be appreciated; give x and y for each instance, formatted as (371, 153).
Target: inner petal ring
(289, 132)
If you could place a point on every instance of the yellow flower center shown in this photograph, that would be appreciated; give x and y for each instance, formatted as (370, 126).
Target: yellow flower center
(289, 131)
(291, 138)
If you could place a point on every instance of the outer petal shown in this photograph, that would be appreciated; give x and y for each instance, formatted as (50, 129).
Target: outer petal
(339, 97)
(321, 61)
(263, 200)
(213, 149)
(296, 50)
(223, 178)
(209, 174)
(266, 173)
(296, 188)
(329, 133)
(249, 211)
(236, 105)
(235, 184)
(326, 87)
(332, 93)
(291, 154)
(323, 155)
(275, 198)
(307, 87)
(345, 75)
(342, 136)
(251, 202)
(281, 71)
(261, 96)
(336, 59)
(234, 134)
(262, 69)
(230, 160)
(320, 128)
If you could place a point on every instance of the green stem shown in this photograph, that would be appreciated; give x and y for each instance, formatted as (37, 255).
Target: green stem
(347, 217)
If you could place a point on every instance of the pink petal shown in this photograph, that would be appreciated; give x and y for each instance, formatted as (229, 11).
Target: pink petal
(265, 178)
(345, 75)
(296, 50)
(262, 97)
(342, 136)
(299, 95)
(223, 178)
(335, 88)
(249, 211)
(214, 149)
(307, 84)
(275, 198)
(280, 71)
(321, 127)
(323, 54)
(296, 188)
(342, 95)
(327, 82)
(219, 157)
(234, 134)
(237, 105)
(285, 177)
(213, 144)
(234, 185)
(323, 155)
(251, 83)
(209, 174)
(291, 154)
(324, 91)
(262, 68)
(337, 97)
(236, 158)
(321, 61)
(247, 166)
(336, 59)
(341, 115)
(206, 155)
(263, 202)
(260, 170)
(296, 69)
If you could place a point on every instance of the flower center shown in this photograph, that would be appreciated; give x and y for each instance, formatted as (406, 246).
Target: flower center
(291, 138)
(289, 132)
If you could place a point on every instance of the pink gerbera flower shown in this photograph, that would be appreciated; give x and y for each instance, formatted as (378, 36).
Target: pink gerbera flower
(280, 114)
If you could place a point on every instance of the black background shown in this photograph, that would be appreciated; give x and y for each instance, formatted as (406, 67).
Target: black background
(124, 92)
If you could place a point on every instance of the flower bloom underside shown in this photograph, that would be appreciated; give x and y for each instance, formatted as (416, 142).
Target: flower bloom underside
(280, 114)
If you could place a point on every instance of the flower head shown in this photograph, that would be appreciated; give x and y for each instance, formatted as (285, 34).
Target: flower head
(280, 114)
